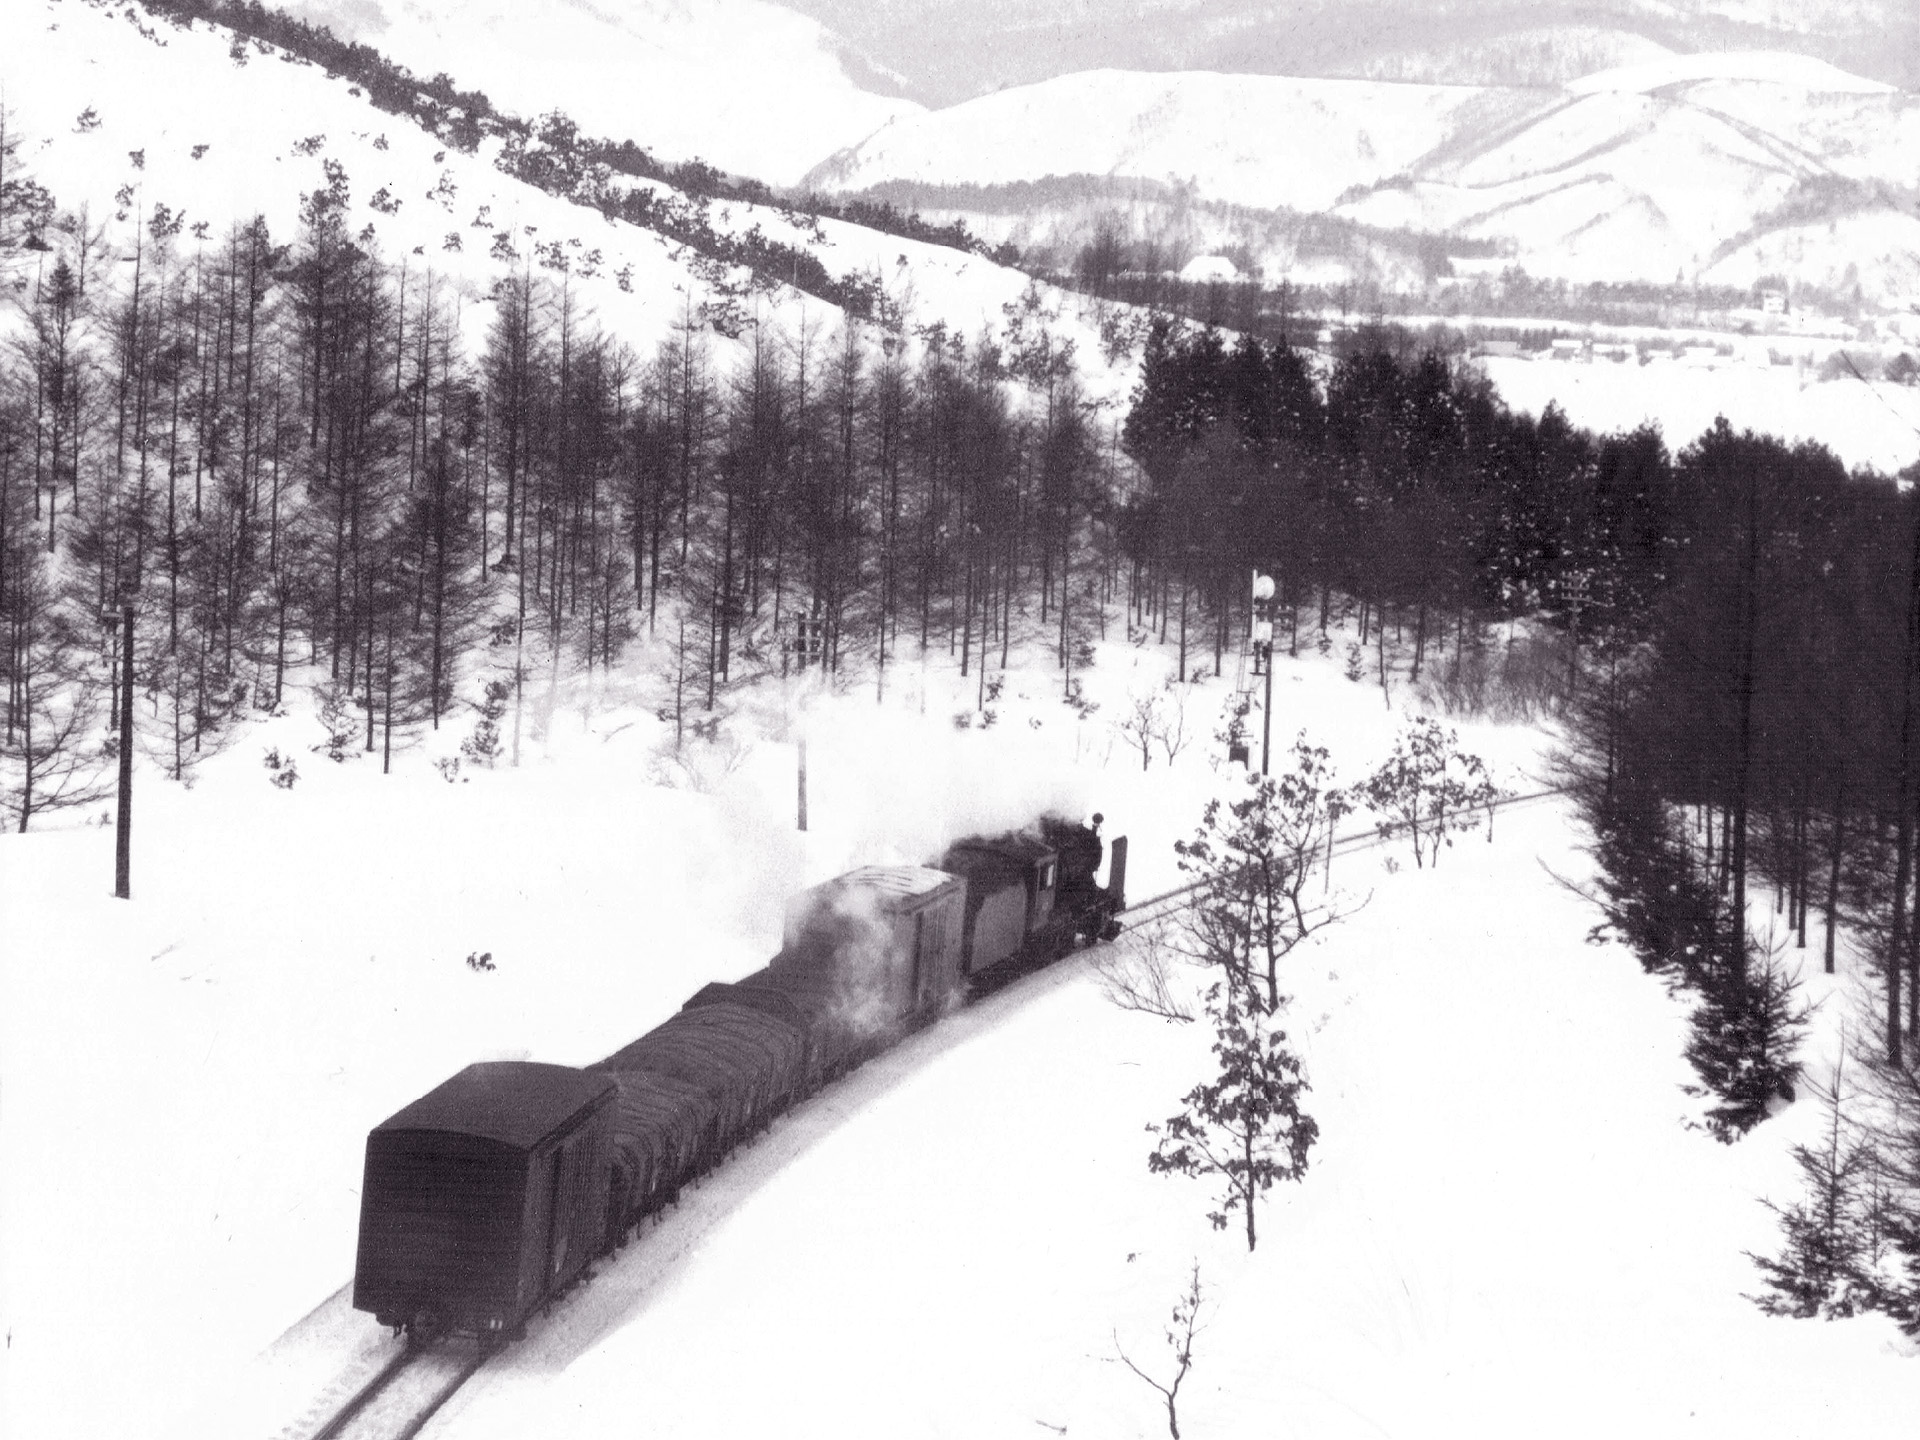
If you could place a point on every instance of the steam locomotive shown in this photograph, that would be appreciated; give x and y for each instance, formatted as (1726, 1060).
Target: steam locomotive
(489, 1195)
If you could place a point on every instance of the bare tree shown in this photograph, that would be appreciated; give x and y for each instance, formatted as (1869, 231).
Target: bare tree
(1137, 974)
(1182, 1328)
(1252, 857)
(1155, 718)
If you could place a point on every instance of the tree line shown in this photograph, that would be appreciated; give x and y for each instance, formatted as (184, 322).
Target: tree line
(282, 452)
(1730, 633)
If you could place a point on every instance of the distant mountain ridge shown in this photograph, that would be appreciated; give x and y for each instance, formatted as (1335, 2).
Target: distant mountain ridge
(1715, 169)
(946, 51)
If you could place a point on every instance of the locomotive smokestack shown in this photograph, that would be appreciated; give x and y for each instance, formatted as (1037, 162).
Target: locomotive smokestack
(1117, 872)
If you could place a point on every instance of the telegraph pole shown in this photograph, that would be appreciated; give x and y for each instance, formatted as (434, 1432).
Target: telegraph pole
(809, 647)
(123, 829)
(1263, 660)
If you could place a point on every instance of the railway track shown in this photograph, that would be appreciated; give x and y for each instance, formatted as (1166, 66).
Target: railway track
(1171, 902)
(397, 1401)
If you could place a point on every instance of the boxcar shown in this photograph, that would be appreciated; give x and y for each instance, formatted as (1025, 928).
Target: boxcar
(484, 1197)
(884, 938)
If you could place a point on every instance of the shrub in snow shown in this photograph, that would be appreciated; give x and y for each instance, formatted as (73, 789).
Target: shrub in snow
(482, 747)
(284, 772)
(1429, 788)
(480, 960)
(335, 708)
(1153, 719)
(1243, 1128)
(1138, 974)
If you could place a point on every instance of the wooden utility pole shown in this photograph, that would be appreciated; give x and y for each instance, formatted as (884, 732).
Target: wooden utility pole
(123, 830)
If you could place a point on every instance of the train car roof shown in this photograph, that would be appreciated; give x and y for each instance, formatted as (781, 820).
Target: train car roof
(892, 881)
(517, 1103)
(1017, 846)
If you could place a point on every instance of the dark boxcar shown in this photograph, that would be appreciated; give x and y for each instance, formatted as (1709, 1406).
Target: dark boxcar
(484, 1197)
(1012, 882)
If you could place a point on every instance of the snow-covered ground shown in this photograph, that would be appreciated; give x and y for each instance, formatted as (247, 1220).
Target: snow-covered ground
(1864, 424)
(1510, 1227)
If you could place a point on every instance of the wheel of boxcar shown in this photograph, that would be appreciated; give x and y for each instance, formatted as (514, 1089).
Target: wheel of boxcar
(425, 1326)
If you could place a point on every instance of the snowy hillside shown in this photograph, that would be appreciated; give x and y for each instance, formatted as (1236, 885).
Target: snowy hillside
(1718, 169)
(1715, 168)
(240, 129)
(747, 86)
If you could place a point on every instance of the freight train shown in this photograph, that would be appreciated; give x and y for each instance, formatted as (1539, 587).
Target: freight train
(489, 1195)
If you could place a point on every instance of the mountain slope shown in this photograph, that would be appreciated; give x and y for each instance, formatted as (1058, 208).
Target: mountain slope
(1710, 167)
(238, 129)
(1252, 139)
(747, 86)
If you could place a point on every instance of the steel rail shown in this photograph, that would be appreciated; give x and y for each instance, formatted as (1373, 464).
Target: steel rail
(362, 1397)
(1341, 844)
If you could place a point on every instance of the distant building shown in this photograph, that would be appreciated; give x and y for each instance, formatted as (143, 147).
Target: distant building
(1502, 349)
(1773, 301)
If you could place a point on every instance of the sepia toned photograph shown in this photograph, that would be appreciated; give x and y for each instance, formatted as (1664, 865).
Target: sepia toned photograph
(960, 719)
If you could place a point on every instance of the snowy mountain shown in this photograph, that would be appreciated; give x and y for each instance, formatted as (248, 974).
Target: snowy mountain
(1715, 168)
(984, 45)
(745, 85)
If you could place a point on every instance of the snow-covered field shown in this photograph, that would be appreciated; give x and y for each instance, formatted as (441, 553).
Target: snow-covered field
(1510, 1227)
(1875, 425)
